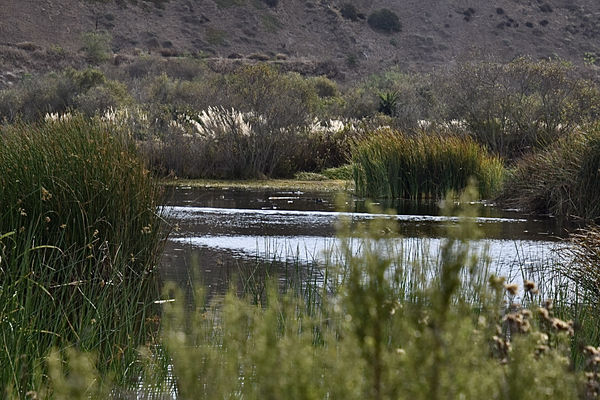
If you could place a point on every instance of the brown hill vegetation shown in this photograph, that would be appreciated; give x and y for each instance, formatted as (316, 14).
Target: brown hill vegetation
(339, 39)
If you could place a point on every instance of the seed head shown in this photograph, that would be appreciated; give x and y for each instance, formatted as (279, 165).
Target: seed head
(46, 195)
(544, 313)
(511, 288)
(530, 286)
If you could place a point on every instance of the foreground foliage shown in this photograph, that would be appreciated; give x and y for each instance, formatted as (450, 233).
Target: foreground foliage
(380, 325)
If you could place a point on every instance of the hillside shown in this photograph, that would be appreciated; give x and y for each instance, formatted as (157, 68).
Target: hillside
(310, 36)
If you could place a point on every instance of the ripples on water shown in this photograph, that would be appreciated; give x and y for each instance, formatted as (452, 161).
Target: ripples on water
(230, 229)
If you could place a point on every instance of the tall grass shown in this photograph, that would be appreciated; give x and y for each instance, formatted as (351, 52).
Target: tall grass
(393, 164)
(562, 180)
(79, 244)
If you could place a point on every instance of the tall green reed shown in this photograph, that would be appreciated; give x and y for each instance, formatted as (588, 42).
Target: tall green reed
(393, 164)
(79, 246)
(562, 180)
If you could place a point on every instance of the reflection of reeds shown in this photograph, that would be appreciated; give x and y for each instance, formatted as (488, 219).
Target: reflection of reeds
(79, 245)
(394, 164)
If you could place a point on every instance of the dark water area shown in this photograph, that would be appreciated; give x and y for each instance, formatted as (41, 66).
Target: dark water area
(226, 233)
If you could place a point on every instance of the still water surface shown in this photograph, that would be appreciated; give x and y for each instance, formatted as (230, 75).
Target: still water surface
(225, 231)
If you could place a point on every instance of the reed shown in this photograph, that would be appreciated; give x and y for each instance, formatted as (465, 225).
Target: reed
(397, 165)
(79, 245)
(562, 180)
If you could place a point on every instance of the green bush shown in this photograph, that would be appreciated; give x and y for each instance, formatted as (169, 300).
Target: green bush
(384, 20)
(349, 11)
(414, 100)
(393, 164)
(325, 87)
(100, 98)
(344, 172)
(96, 46)
(50, 93)
(521, 106)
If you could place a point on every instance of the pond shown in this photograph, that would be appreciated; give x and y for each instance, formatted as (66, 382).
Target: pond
(226, 233)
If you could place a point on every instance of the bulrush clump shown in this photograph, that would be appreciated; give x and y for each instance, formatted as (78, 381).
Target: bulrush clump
(394, 164)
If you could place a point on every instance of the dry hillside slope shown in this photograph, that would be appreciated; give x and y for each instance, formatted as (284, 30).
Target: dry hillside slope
(311, 36)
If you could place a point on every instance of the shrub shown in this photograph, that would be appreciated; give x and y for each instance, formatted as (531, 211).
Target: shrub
(96, 46)
(50, 93)
(349, 11)
(409, 98)
(562, 180)
(397, 165)
(521, 106)
(176, 94)
(222, 143)
(384, 20)
(343, 173)
(284, 99)
(271, 3)
(100, 98)
(325, 87)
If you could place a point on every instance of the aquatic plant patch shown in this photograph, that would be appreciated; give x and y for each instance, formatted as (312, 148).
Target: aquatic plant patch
(393, 164)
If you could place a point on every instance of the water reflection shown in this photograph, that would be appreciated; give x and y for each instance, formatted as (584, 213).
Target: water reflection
(229, 230)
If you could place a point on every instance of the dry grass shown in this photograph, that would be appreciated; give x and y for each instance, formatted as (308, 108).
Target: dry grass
(277, 184)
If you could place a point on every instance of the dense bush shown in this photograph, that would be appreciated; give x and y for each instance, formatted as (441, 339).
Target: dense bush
(32, 99)
(96, 46)
(325, 87)
(98, 99)
(225, 143)
(397, 165)
(349, 11)
(562, 180)
(521, 106)
(414, 101)
(384, 20)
